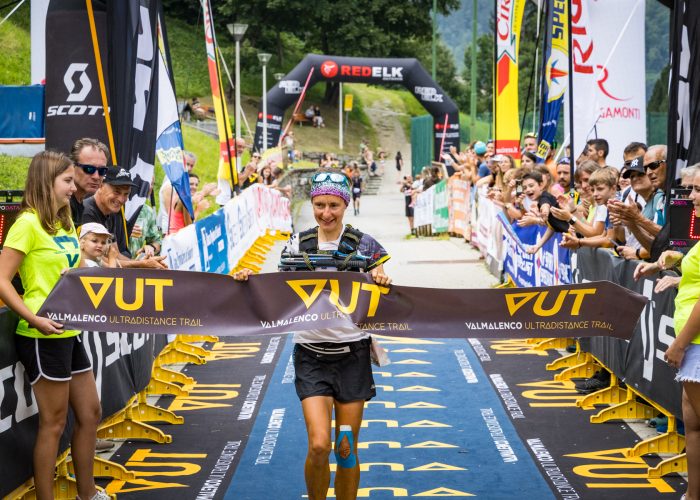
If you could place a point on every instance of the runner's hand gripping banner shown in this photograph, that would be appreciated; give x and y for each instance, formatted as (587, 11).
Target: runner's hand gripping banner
(155, 301)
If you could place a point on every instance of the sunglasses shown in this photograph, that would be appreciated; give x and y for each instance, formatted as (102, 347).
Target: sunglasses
(654, 164)
(331, 176)
(91, 169)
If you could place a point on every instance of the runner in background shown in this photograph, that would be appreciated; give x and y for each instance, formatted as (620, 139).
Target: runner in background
(332, 366)
(41, 245)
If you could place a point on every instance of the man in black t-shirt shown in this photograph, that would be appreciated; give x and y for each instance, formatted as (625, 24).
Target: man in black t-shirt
(90, 158)
(106, 208)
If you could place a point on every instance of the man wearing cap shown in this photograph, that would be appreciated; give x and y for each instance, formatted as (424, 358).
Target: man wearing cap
(106, 208)
(564, 173)
(646, 224)
(90, 158)
(483, 168)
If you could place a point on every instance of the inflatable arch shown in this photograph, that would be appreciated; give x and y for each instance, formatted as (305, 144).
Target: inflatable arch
(408, 72)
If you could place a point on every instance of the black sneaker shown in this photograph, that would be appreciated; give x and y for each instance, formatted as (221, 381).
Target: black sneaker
(591, 385)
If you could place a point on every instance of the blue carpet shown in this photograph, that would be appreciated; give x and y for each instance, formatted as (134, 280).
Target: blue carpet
(436, 429)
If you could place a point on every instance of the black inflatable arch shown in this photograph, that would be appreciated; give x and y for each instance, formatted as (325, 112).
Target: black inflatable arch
(408, 72)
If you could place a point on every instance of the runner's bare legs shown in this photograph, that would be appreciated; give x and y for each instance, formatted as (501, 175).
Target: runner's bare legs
(348, 480)
(318, 413)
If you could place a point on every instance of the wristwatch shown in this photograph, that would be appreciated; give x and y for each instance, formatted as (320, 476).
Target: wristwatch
(573, 220)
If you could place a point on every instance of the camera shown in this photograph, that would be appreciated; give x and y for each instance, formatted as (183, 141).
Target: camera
(518, 187)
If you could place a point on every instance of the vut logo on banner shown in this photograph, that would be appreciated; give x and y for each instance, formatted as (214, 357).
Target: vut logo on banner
(98, 287)
(515, 301)
(319, 285)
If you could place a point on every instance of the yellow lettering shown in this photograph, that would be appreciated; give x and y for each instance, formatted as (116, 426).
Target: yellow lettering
(119, 295)
(515, 301)
(376, 291)
(158, 285)
(335, 297)
(364, 467)
(366, 444)
(116, 487)
(96, 297)
(298, 287)
(538, 308)
(580, 293)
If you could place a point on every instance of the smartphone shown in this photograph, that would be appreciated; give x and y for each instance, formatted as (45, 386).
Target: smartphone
(518, 187)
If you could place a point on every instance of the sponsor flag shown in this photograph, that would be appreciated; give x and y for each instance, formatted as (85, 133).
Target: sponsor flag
(133, 78)
(169, 145)
(556, 73)
(609, 93)
(95, 298)
(74, 106)
(227, 175)
(509, 15)
(684, 89)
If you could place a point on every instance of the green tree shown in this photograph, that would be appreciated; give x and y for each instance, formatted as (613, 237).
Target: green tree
(484, 75)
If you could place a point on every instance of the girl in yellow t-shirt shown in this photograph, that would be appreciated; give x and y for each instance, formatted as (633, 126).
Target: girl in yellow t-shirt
(40, 245)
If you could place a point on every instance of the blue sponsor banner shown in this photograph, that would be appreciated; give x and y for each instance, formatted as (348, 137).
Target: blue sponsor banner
(556, 72)
(169, 151)
(212, 242)
(551, 265)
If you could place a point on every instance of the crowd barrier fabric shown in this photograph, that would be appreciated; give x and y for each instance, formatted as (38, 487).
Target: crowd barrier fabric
(638, 362)
(549, 266)
(459, 206)
(122, 362)
(122, 366)
(441, 217)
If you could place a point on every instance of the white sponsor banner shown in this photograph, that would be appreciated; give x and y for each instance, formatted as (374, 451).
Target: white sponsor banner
(257, 210)
(181, 250)
(423, 209)
(609, 74)
(39, 9)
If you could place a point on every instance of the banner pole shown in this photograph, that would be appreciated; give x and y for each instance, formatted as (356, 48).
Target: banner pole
(101, 78)
(444, 133)
(572, 160)
(296, 108)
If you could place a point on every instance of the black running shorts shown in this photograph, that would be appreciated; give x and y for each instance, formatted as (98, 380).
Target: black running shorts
(345, 377)
(56, 359)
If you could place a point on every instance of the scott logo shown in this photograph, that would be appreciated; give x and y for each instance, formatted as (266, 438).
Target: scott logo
(515, 301)
(97, 288)
(85, 84)
(329, 69)
(318, 285)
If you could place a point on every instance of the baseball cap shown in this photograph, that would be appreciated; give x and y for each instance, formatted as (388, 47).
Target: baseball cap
(94, 227)
(635, 165)
(118, 176)
(479, 148)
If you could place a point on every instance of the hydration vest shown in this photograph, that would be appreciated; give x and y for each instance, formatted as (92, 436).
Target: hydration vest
(348, 245)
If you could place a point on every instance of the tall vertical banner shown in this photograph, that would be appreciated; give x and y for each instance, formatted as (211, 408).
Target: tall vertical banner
(684, 88)
(227, 151)
(169, 145)
(73, 102)
(509, 16)
(556, 74)
(608, 74)
(133, 82)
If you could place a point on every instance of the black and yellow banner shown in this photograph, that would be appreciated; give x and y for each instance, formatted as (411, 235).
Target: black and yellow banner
(152, 301)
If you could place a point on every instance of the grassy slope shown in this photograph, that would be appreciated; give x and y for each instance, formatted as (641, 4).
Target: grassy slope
(15, 67)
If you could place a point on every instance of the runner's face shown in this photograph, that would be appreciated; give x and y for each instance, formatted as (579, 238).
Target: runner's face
(64, 187)
(328, 212)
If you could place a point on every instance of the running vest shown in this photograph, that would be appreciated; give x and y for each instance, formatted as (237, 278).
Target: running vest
(349, 242)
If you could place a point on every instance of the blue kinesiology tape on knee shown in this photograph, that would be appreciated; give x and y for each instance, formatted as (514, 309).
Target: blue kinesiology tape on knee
(350, 461)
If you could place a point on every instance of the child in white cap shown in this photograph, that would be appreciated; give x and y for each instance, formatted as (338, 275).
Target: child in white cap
(94, 242)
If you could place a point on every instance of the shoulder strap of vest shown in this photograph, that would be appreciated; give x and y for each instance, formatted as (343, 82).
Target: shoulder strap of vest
(308, 240)
(350, 240)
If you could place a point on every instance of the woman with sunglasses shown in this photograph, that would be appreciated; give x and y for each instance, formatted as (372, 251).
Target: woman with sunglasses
(332, 366)
(41, 245)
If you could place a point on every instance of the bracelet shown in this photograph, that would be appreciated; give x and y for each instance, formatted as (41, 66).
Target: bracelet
(637, 253)
(579, 243)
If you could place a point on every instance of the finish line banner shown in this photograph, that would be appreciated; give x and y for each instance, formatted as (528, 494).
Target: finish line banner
(165, 302)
